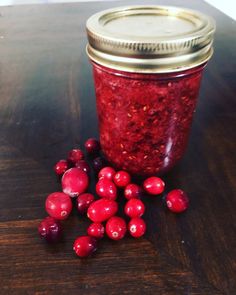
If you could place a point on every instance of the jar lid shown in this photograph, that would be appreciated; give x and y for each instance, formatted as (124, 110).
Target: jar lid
(150, 39)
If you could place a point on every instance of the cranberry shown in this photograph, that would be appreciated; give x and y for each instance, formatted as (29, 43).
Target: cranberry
(132, 191)
(96, 230)
(134, 208)
(106, 189)
(50, 229)
(92, 146)
(177, 201)
(137, 227)
(154, 185)
(74, 182)
(83, 165)
(107, 173)
(122, 178)
(98, 163)
(85, 246)
(58, 205)
(75, 155)
(116, 228)
(83, 201)
(102, 210)
(61, 167)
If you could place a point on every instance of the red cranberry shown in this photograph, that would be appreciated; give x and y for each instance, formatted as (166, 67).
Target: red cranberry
(122, 178)
(83, 201)
(102, 210)
(61, 167)
(92, 146)
(50, 229)
(98, 163)
(83, 165)
(177, 201)
(58, 205)
(154, 185)
(106, 189)
(116, 228)
(96, 230)
(137, 227)
(132, 191)
(75, 155)
(134, 208)
(107, 173)
(74, 182)
(85, 246)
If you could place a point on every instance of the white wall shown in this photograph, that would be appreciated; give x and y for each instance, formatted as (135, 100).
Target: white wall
(226, 6)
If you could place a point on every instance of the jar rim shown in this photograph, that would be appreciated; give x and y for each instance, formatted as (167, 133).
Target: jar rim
(150, 76)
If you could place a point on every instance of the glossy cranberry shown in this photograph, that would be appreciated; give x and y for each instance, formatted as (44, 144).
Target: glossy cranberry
(177, 201)
(83, 201)
(137, 227)
(92, 146)
(122, 178)
(106, 189)
(74, 182)
(154, 185)
(58, 205)
(61, 167)
(50, 229)
(132, 191)
(107, 173)
(75, 155)
(96, 230)
(116, 228)
(102, 210)
(98, 164)
(83, 165)
(85, 246)
(134, 208)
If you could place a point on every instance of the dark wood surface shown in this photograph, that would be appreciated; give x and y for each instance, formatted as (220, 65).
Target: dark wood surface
(47, 106)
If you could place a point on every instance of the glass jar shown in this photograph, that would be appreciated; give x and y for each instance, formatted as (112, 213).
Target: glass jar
(147, 66)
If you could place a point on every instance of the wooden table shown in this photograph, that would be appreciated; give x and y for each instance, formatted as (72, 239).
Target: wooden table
(47, 106)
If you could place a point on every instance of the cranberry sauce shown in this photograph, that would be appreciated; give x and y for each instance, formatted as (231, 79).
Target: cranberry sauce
(144, 119)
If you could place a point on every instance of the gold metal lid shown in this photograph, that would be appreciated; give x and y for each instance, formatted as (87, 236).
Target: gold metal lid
(150, 39)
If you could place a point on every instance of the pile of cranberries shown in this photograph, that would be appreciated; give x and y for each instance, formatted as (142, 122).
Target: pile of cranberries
(74, 174)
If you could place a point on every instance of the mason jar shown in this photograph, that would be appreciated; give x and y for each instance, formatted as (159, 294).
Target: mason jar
(147, 66)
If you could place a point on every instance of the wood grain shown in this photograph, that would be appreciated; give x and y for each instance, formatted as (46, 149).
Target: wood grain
(47, 106)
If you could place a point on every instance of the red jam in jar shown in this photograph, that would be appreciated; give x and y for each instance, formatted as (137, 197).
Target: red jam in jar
(147, 82)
